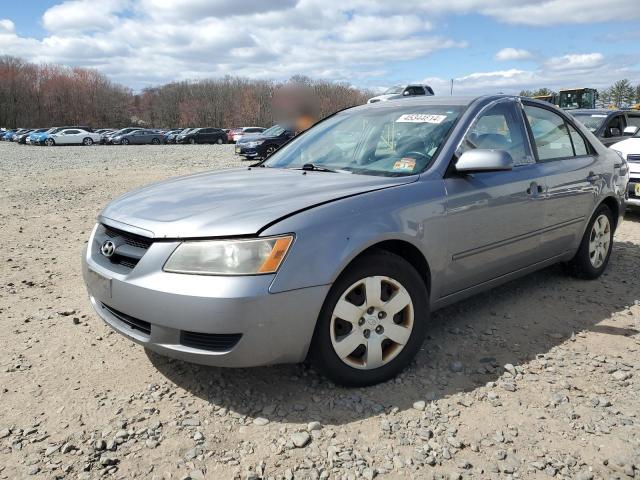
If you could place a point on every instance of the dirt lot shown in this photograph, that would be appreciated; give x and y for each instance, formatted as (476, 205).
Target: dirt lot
(535, 379)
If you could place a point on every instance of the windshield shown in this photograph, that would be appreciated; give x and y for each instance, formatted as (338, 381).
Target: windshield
(395, 141)
(274, 131)
(395, 90)
(592, 121)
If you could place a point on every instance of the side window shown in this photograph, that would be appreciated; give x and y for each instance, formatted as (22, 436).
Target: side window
(615, 126)
(633, 120)
(415, 90)
(549, 133)
(71, 132)
(499, 128)
(579, 144)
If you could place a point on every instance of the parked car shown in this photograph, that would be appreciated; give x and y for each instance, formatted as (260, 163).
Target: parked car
(609, 125)
(140, 137)
(263, 144)
(32, 134)
(46, 137)
(6, 136)
(402, 91)
(239, 133)
(338, 254)
(170, 136)
(115, 137)
(72, 136)
(17, 133)
(203, 135)
(629, 149)
(21, 138)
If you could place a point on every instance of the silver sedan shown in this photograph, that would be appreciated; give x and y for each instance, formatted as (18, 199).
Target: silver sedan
(338, 246)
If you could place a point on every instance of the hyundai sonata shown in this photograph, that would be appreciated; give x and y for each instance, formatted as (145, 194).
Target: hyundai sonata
(338, 246)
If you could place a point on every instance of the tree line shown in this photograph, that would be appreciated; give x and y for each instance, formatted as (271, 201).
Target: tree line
(40, 95)
(621, 94)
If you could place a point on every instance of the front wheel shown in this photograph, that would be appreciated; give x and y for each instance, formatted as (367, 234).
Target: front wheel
(270, 151)
(49, 142)
(87, 142)
(125, 141)
(595, 249)
(372, 322)
(192, 141)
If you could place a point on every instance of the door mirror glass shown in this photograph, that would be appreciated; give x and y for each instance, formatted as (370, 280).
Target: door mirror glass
(484, 161)
(630, 131)
(614, 132)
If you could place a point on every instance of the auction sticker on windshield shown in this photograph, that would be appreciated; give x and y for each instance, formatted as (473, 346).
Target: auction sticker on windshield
(405, 164)
(420, 118)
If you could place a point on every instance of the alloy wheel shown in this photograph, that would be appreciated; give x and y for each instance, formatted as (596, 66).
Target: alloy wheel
(372, 322)
(599, 241)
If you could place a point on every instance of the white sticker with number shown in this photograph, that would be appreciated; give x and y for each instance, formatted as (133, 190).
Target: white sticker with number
(420, 118)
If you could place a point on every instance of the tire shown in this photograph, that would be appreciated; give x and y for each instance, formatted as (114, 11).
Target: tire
(270, 150)
(367, 325)
(125, 141)
(49, 142)
(87, 141)
(594, 253)
(192, 141)
(155, 141)
(219, 141)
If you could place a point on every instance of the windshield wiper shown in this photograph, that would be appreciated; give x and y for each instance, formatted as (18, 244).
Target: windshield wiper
(316, 168)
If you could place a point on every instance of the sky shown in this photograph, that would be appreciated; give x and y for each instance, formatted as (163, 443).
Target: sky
(485, 46)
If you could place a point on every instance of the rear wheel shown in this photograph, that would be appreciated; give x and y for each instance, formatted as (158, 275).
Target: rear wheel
(87, 141)
(219, 141)
(595, 249)
(372, 322)
(155, 141)
(49, 142)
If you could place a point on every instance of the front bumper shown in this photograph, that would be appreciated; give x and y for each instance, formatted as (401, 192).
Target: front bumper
(164, 312)
(633, 192)
(246, 151)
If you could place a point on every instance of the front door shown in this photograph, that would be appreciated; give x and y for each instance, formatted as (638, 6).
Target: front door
(495, 219)
(614, 129)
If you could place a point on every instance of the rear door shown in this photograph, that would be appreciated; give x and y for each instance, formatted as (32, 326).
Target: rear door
(495, 219)
(573, 175)
(205, 135)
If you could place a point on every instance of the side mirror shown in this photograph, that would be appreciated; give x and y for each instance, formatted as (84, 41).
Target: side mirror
(630, 131)
(473, 161)
(614, 132)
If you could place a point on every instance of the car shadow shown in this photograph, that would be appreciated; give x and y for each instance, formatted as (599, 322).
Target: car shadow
(467, 346)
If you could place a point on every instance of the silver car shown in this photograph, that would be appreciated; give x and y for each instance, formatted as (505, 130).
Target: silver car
(338, 246)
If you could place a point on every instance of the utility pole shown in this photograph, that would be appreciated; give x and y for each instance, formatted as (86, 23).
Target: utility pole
(451, 93)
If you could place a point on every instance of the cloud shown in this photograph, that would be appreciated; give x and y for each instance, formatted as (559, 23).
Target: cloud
(512, 54)
(576, 61)
(6, 26)
(370, 27)
(82, 15)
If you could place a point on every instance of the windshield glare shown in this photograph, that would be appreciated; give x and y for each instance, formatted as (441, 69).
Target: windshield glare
(274, 131)
(591, 121)
(396, 89)
(395, 141)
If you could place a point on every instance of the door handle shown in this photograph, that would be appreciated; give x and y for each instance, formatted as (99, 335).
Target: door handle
(535, 189)
(593, 178)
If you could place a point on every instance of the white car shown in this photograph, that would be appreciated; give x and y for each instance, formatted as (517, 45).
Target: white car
(630, 150)
(72, 136)
(246, 131)
(402, 91)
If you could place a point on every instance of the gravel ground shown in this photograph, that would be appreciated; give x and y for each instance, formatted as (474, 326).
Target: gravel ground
(535, 379)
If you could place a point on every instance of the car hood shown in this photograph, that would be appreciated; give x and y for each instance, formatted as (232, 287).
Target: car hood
(233, 202)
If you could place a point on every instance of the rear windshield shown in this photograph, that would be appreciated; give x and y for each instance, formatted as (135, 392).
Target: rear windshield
(592, 121)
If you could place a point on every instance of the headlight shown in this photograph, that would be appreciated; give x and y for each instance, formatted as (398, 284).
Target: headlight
(254, 143)
(229, 257)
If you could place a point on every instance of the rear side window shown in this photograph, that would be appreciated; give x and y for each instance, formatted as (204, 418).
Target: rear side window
(550, 133)
(579, 144)
(499, 128)
(633, 120)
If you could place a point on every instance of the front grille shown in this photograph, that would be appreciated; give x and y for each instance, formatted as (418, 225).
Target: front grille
(132, 322)
(214, 342)
(633, 158)
(130, 248)
(128, 238)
